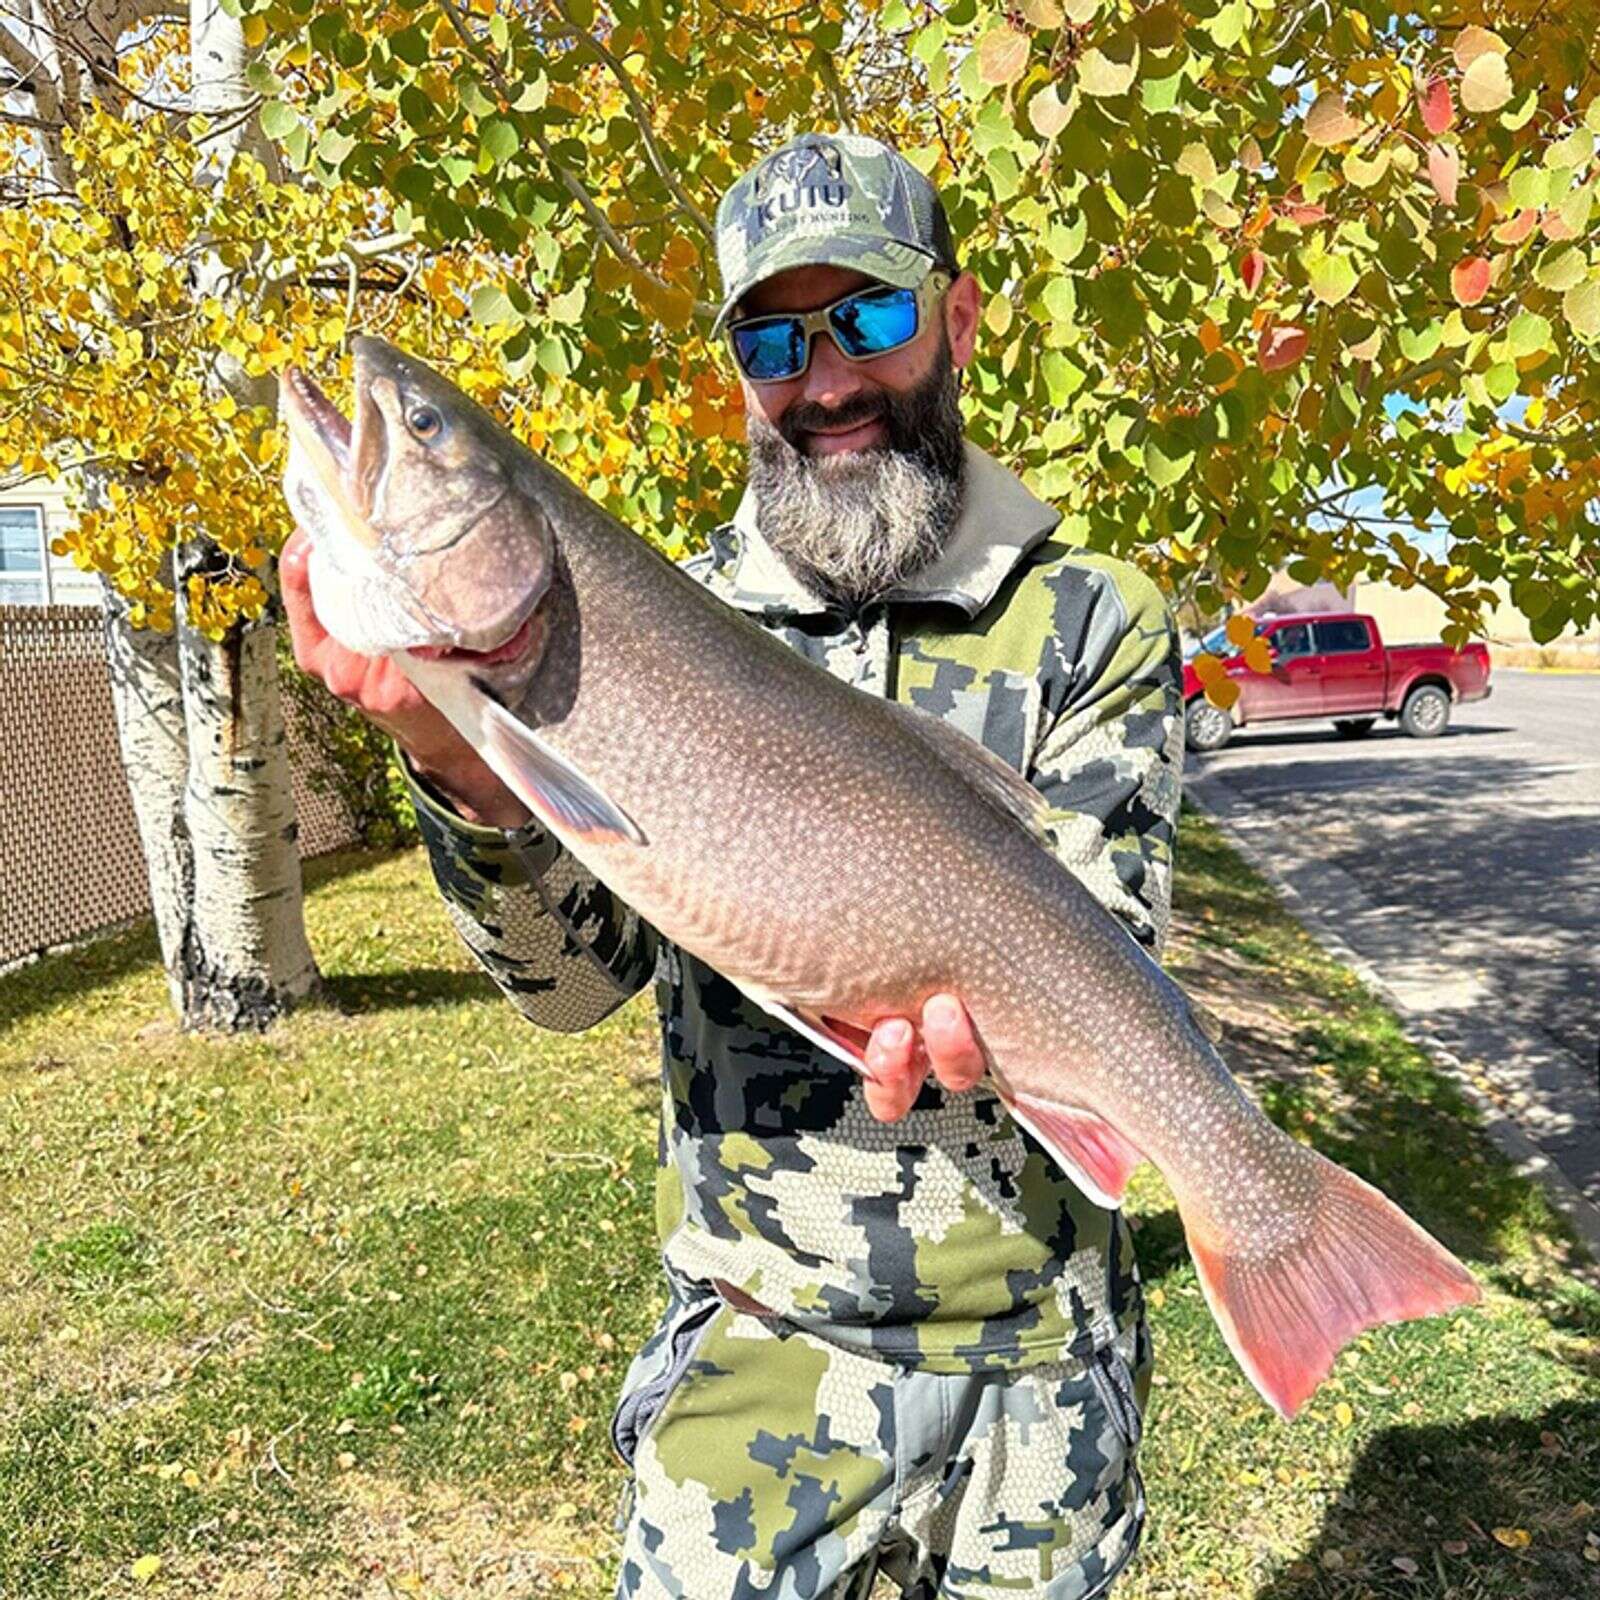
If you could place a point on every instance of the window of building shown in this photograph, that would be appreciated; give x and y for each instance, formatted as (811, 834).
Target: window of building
(24, 572)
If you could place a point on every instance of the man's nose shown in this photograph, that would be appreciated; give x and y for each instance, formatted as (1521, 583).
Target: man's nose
(830, 379)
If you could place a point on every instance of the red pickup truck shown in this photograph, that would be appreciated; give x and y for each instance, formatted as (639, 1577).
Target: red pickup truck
(1335, 665)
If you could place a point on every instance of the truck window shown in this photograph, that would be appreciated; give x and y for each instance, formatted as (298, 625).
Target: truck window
(1293, 640)
(1342, 638)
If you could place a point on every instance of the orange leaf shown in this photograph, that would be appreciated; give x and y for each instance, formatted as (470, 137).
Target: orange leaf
(1305, 214)
(1444, 171)
(1469, 280)
(1002, 55)
(1473, 42)
(1328, 122)
(1555, 226)
(1518, 228)
(1438, 109)
(1210, 336)
(1208, 668)
(1257, 225)
(1252, 269)
(1258, 656)
(1240, 630)
(1223, 694)
(1281, 346)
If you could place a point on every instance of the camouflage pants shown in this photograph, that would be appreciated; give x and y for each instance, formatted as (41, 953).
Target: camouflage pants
(772, 1465)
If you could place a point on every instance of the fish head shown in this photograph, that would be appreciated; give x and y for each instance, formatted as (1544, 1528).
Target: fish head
(424, 539)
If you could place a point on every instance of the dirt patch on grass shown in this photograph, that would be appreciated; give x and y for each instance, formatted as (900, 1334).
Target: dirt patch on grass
(433, 1541)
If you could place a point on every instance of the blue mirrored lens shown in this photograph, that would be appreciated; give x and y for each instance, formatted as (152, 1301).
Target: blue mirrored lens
(881, 319)
(775, 349)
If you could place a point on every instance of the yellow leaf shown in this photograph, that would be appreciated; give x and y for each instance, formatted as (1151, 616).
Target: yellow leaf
(1473, 42)
(254, 30)
(1223, 694)
(1512, 1538)
(1240, 630)
(1002, 55)
(1106, 76)
(1208, 668)
(1343, 1415)
(145, 1568)
(1486, 85)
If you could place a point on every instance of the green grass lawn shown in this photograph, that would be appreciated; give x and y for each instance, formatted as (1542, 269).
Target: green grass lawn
(342, 1311)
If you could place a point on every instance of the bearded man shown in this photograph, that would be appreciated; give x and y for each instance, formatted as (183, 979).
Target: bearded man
(898, 1341)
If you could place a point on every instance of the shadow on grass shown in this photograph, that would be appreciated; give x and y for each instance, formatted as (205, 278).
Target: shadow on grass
(354, 992)
(58, 980)
(70, 975)
(1433, 1498)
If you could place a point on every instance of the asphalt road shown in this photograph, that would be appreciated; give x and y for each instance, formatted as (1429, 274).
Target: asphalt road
(1465, 871)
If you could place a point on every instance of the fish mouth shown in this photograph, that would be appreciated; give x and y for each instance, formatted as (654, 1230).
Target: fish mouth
(345, 457)
(526, 641)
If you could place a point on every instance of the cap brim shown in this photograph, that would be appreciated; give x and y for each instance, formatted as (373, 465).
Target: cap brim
(887, 260)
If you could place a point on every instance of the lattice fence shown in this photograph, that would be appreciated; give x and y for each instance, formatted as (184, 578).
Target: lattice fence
(70, 862)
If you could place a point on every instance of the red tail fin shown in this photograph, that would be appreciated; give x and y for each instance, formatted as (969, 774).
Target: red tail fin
(1364, 1262)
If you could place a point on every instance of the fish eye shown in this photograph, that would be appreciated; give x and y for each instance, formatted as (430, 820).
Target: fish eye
(424, 422)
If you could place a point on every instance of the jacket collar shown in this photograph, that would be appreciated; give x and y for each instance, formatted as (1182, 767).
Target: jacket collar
(1000, 522)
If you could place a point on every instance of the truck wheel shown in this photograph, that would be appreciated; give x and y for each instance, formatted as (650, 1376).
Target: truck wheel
(1426, 713)
(1206, 727)
(1354, 727)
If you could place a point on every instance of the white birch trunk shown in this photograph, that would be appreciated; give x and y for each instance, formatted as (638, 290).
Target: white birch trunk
(147, 697)
(244, 958)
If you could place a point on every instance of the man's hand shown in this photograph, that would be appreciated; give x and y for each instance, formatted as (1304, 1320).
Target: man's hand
(378, 689)
(899, 1060)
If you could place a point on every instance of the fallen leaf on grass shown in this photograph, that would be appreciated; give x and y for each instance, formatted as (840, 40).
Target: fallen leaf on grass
(1513, 1538)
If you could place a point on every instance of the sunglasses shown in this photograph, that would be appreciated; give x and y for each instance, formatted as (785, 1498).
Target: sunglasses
(870, 322)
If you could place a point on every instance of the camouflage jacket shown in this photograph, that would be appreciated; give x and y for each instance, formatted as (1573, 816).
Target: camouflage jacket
(948, 1240)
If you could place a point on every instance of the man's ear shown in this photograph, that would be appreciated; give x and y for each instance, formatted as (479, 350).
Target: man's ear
(961, 317)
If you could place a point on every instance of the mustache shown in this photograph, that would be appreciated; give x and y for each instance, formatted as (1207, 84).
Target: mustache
(806, 416)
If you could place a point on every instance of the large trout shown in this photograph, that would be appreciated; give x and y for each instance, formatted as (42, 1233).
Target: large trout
(838, 857)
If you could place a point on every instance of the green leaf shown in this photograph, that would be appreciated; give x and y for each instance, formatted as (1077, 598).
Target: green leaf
(1227, 26)
(1530, 188)
(1164, 470)
(1560, 267)
(1581, 307)
(491, 306)
(278, 120)
(553, 358)
(1108, 75)
(1060, 301)
(1501, 381)
(567, 307)
(1332, 276)
(1528, 332)
(410, 45)
(498, 139)
(416, 108)
(1062, 377)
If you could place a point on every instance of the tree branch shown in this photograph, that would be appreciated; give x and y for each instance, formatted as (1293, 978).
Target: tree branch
(641, 117)
(596, 217)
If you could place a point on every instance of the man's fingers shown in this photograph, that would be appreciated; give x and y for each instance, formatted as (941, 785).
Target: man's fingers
(954, 1050)
(294, 581)
(895, 1067)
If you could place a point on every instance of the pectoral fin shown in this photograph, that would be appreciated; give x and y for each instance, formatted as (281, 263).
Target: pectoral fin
(814, 1029)
(548, 784)
(1091, 1152)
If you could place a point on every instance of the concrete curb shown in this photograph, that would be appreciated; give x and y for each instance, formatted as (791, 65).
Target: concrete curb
(1511, 1140)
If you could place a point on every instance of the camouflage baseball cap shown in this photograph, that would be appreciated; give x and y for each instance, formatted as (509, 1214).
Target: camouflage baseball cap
(830, 200)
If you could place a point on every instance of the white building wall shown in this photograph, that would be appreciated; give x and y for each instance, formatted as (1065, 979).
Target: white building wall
(59, 582)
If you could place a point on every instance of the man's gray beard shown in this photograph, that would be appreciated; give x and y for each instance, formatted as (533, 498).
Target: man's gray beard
(852, 526)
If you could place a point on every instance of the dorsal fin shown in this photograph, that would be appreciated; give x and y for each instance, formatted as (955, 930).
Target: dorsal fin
(997, 782)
